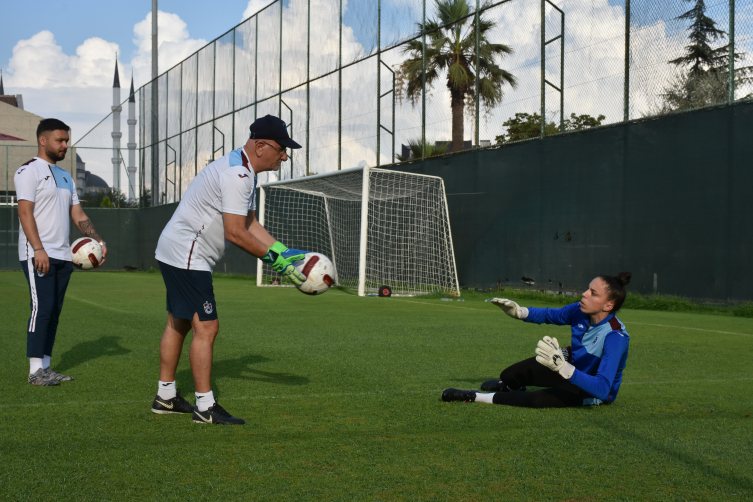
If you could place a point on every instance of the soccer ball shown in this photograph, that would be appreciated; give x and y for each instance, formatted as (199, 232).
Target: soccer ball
(318, 270)
(86, 253)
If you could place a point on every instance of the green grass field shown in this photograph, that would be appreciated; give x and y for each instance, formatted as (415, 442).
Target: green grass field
(342, 401)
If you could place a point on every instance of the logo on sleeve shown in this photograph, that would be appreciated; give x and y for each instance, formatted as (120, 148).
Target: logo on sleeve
(46, 178)
(21, 170)
(207, 307)
(243, 176)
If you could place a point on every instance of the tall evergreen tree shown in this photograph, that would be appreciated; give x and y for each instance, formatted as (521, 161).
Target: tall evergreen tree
(705, 77)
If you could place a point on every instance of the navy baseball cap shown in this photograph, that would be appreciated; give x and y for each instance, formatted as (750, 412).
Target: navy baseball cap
(271, 127)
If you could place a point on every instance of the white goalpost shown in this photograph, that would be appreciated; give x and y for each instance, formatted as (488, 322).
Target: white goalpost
(379, 227)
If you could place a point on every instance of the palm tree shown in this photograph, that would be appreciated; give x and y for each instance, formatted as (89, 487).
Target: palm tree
(451, 52)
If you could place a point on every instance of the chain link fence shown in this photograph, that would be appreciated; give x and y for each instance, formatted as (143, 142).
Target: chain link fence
(377, 82)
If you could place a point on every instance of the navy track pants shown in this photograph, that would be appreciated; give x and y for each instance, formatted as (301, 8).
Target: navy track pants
(47, 292)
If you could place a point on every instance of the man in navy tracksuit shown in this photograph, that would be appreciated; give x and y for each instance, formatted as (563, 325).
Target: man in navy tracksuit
(47, 200)
(587, 372)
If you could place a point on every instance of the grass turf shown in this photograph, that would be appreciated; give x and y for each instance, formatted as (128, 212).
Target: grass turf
(341, 398)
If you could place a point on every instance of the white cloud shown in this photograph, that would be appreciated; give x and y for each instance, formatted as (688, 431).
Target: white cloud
(174, 44)
(77, 88)
(253, 7)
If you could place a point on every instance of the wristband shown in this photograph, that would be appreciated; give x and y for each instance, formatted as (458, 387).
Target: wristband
(39, 249)
(102, 243)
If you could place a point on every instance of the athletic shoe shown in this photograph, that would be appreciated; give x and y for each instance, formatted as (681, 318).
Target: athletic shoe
(467, 396)
(174, 405)
(40, 377)
(497, 386)
(216, 414)
(58, 376)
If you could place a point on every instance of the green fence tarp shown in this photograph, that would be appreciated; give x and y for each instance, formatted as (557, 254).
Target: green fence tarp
(668, 196)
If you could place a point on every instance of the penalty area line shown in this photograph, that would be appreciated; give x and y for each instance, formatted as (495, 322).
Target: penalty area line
(685, 327)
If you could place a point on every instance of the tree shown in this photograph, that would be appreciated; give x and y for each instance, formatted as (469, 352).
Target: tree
(705, 77)
(416, 151)
(107, 198)
(451, 52)
(526, 126)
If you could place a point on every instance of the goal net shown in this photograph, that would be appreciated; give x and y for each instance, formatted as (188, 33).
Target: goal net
(379, 227)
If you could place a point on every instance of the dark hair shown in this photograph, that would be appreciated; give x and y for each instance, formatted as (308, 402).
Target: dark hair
(616, 288)
(51, 125)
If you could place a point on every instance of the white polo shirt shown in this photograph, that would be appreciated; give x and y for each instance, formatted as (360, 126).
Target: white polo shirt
(194, 238)
(53, 192)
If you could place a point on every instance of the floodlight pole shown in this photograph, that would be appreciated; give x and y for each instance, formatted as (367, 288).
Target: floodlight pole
(363, 241)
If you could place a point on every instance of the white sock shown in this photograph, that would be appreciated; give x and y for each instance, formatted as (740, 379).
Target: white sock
(46, 362)
(35, 363)
(205, 400)
(484, 398)
(167, 390)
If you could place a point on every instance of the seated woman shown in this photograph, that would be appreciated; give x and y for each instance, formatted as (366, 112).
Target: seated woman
(589, 371)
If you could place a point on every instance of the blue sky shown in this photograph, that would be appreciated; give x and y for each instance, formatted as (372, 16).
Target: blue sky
(73, 22)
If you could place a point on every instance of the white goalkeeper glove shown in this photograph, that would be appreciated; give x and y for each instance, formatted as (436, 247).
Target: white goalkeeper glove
(511, 308)
(549, 353)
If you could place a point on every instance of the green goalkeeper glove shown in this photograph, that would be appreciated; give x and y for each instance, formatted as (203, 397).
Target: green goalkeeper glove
(511, 308)
(281, 258)
(549, 353)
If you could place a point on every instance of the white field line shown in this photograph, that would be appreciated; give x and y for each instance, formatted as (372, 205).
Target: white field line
(694, 329)
(145, 402)
(96, 304)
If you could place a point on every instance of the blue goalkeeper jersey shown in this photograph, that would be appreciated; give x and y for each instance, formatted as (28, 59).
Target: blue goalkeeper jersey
(599, 351)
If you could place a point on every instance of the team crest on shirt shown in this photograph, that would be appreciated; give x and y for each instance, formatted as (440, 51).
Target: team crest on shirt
(207, 307)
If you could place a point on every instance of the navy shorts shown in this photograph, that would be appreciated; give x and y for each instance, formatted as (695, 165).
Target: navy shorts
(189, 292)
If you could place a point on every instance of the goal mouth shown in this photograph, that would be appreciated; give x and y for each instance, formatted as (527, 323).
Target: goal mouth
(378, 226)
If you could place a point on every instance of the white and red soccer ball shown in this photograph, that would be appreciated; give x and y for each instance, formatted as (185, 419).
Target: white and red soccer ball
(86, 253)
(319, 272)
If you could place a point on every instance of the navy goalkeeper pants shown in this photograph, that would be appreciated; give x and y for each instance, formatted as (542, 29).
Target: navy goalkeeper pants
(559, 392)
(47, 292)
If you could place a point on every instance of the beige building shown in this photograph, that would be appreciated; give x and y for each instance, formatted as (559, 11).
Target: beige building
(18, 145)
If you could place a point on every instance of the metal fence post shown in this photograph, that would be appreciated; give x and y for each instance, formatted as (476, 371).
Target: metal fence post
(256, 65)
(562, 72)
(543, 68)
(196, 123)
(214, 96)
(626, 97)
(731, 98)
(379, 83)
(167, 129)
(180, 135)
(478, 70)
(340, 95)
(232, 139)
(423, 83)
(308, 87)
(279, 91)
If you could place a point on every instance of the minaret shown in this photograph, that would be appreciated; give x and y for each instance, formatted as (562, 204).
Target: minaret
(131, 142)
(116, 134)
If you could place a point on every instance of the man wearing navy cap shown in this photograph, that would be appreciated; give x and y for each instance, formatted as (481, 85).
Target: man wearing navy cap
(219, 205)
